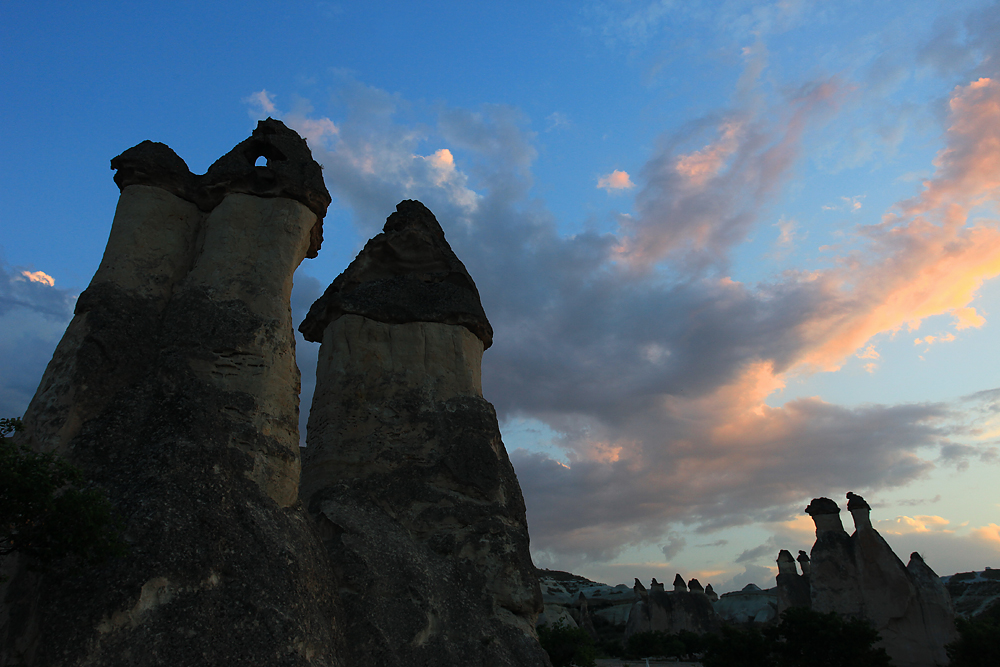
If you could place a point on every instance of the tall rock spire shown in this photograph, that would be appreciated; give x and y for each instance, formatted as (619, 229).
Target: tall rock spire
(175, 389)
(405, 470)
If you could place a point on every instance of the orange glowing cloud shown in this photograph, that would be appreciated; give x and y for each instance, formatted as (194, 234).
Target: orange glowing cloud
(905, 525)
(615, 181)
(927, 258)
(989, 533)
(701, 165)
(39, 277)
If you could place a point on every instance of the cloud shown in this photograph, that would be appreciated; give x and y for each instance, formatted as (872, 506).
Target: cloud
(260, 103)
(33, 316)
(556, 120)
(904, 525)
(616, 180)
(697, 205)
(989, 534)
(762, 577)
(768, 549)
(655, 382)
(850, 204)
(914, 502)
(674, 545)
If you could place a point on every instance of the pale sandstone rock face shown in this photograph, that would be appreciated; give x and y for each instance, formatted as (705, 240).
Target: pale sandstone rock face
(175, 388)
(405, 470)
(860, 576)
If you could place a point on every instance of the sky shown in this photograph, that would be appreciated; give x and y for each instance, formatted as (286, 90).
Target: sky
(736, 254)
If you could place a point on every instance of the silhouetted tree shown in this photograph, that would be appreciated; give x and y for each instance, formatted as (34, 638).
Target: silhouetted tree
(567, 646)
(803, 638)
(47, 509)
(978, 642)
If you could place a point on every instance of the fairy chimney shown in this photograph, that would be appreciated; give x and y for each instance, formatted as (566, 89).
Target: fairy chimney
(175, 390)
(405, 470)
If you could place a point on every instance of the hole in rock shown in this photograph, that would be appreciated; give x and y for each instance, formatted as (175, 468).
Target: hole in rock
(261, 162)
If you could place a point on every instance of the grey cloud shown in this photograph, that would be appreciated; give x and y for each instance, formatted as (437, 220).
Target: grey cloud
(717, 543)
(674, 545)
(769, 548)
(762, 577)
(916, 502)
(617, 358)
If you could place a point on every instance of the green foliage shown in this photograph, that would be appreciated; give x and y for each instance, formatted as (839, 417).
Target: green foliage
(567, 646)
(47, 509)
(803, 638)
(978, 642)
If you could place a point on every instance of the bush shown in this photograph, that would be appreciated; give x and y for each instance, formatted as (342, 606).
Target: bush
(567, 646)
(737, 647)
(978, 642)
(803, 638)
(48, 511)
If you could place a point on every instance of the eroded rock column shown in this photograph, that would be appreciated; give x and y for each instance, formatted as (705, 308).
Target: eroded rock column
(405, 469)
(175, 389)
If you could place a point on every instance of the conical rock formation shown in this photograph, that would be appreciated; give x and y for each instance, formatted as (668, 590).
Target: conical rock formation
(405, 469)
(175, 389)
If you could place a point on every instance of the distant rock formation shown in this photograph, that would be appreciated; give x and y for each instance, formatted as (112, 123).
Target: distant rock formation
(607, 606)
(793, 588)
(710, 593)
(175, 389)
(974, 593)
(581, 614)
(859, 576)
(679, 585)
(749, 605)
(671, 611)
(405, 471)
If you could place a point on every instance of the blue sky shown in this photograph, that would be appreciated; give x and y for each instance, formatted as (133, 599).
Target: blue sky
(736, 254)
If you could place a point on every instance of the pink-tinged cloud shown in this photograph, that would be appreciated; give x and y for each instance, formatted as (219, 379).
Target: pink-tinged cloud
(697, 205)
(698, 167)
(39, 277)
(926, 257)
(615, 181)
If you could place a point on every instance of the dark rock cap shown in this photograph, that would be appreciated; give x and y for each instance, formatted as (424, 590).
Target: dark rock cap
(291, 172)
(786, 556)
(679, 581)
(803, 556)
(822, 506)
(695, 586)
(856, 502)
(709, 590)
(408, 273)
(638, 585)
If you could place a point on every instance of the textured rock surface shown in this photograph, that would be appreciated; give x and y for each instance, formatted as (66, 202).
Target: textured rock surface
(405, 470)
(408, 273)
(671, 611)
(749, 605)
(860, 576)
(175, 388)
(974, 593)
